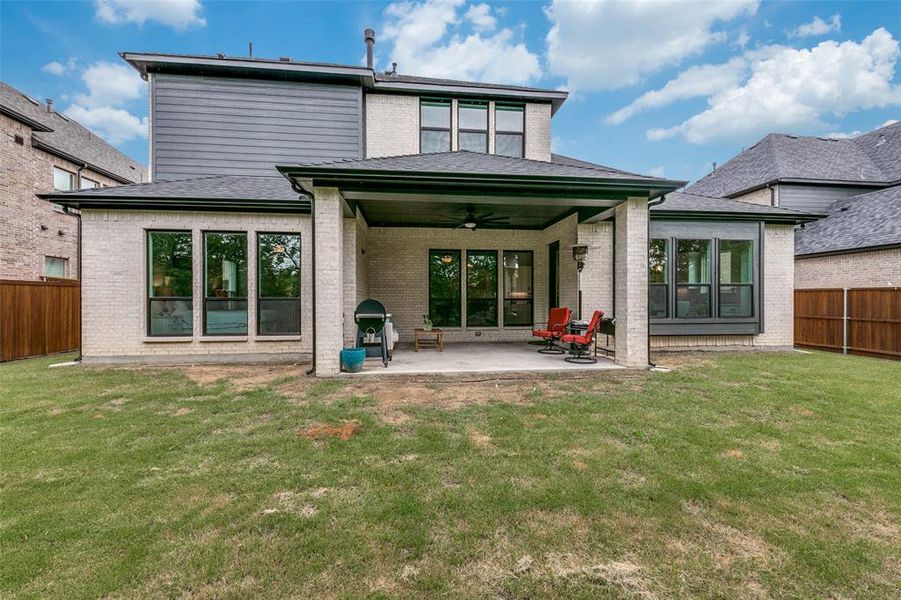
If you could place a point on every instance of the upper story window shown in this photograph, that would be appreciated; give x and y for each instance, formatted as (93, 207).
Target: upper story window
(88, 184)
(473, 126)
(509, 126)
(63, 181)
(435, 126)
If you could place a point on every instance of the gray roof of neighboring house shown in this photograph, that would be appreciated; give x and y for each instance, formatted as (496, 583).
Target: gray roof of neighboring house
(68, 138)
(478, 163)
(870, 159)
(684, 204)
(856, 223)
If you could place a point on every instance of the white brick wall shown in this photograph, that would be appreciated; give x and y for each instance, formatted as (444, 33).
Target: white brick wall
(329, 279)
(597, 277)
(538, 132)
(114, 298)
(879, 268)
(392, 125)
(762, 196)
(632, 283)
(779, 283)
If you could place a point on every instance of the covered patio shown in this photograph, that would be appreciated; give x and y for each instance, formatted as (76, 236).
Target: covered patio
(381, 225)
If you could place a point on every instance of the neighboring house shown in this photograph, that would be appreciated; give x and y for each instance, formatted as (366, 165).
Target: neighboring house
(41, 151)
(855, 182)
(286, 192)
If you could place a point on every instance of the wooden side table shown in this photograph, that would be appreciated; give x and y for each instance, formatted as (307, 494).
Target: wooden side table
(433, 338)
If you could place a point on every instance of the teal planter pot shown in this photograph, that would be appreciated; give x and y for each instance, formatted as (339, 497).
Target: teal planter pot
(352, 359)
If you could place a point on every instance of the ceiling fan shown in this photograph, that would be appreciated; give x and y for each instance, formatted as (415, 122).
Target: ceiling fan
(471, 221)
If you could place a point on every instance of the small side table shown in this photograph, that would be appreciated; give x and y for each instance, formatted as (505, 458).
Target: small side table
(433, 338)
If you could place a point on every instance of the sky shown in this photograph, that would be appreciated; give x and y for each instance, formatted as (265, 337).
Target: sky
(658, 87)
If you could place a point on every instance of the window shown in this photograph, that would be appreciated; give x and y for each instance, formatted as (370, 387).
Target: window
(693, 279)
(473, 126)
(736, 268)
(225, 283)
(278, 309)
(508, 126)
(444, 288)
(88, 184)
(481, 288)
(63, 180)
(55, 267)
(517, 288)
(434, 117)
(658, 278)
(170, 309)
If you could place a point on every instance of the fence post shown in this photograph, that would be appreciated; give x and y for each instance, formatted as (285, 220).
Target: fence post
(845, 321)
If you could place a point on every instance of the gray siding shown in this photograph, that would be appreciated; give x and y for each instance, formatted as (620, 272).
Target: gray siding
(814, 198)
(217, 126)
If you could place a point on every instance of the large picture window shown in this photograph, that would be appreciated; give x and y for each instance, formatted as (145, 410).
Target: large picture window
(170, 310)
(473, 126)
(481, 288)
(435, 126)
(278, 289)
(225, 283)
(693, 279)
(444, 288)
(658, 279)
(518, 288)
(508, 128)
(736, 280)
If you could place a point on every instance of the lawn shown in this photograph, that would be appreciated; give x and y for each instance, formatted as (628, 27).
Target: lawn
(734, 475)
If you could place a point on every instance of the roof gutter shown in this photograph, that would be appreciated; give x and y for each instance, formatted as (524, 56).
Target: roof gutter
(804, 181)
(34, 125)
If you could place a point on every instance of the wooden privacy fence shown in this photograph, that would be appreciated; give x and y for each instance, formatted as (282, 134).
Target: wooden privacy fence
(855, 320)
(39, 317)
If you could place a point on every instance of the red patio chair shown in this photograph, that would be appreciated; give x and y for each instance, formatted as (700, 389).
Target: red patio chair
(557, 320)
(580, 343)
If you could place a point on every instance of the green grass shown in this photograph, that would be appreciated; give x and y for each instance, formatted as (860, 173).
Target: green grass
(738, 476)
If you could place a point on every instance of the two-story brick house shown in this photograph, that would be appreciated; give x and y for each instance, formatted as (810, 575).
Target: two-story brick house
(41, 150)
(285, 192)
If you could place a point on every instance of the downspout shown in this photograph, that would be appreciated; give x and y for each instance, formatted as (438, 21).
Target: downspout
(312, 198)
(80, 274)
(651, 203)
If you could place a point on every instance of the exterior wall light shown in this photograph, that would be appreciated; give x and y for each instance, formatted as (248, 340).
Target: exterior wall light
(580, 255)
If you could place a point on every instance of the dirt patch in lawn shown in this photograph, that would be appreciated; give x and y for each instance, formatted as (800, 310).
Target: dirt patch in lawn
(241, 377)
(321, 431)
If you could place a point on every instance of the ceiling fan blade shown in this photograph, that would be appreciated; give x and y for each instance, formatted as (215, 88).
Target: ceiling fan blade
(460, 226)
(495, 220)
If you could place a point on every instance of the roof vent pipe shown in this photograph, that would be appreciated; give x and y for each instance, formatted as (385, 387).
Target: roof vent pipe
(49, 105)
(369, 38)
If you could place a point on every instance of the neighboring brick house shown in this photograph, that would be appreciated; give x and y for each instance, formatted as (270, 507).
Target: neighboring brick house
(286, 192)
(855, 183)
(41, 150)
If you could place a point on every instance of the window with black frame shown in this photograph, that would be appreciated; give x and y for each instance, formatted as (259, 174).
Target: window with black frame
(278, 289)
(736, 278)
(509, 124)
(225, 283)
(693, 274)
(518, 288)
(435, 125)
(481, 288)
(472, 126)
(170, 295)
(658, 279)
(444, 288)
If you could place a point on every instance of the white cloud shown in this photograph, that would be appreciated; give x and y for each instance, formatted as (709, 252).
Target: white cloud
(429, 38)
(481, 18)
(607, 44)
(110, 87)
(887, 123)
(818, 27)
(115, 125)
(55, 67)
(792, 89)
(743, 38)
(178, 14)
(703, 80)
(843, 135)
(657, 172)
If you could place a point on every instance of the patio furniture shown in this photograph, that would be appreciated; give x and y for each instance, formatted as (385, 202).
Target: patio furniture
(580, 344)
(428, 338)
(557, 320)
(371, 318)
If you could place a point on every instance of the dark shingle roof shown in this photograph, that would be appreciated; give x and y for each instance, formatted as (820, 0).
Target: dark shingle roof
(864, 221)
(873, 158)
(218, 187)
(483, 164)
(681, 202)
(70, 138)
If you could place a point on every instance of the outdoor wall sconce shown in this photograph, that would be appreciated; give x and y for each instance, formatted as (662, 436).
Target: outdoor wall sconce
(447, 259)
(580, 255)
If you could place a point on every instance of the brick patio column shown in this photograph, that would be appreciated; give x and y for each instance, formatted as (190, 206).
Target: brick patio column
(329, 279)
(631, 249)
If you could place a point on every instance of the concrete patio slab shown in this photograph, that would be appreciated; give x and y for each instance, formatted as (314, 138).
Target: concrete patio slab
(475, 358)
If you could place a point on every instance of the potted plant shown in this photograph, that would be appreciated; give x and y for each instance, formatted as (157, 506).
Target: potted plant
(426, 323)
(352, 359)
